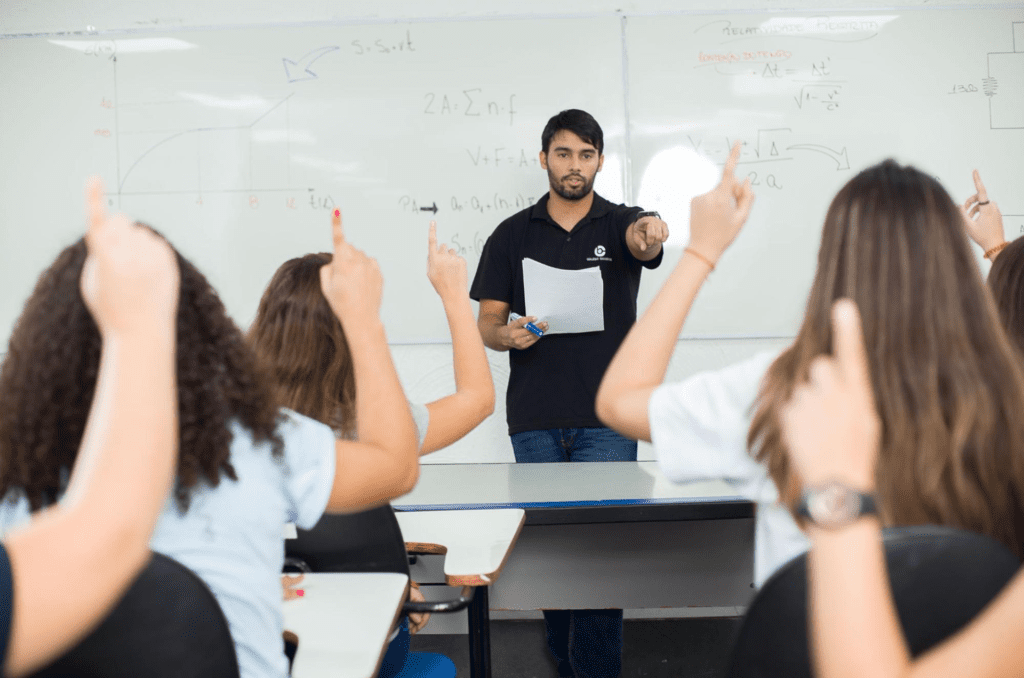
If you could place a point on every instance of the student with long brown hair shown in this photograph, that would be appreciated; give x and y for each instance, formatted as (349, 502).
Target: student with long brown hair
(305, 348)
(948, 382)
(834, 433)
(301, 342)
(245, 467)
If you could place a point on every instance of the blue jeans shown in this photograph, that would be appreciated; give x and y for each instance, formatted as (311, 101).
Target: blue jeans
(585, 643)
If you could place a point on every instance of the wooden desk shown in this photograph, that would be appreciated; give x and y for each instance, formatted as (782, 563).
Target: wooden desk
(604, 534)
(343, 622)
(476, 544)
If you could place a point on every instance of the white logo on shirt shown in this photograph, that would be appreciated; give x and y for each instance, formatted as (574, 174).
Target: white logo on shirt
(599, 250)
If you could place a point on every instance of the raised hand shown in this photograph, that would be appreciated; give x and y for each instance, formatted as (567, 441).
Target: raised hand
(130, 278)
(352, 282)
(446, 270)
(830, 423)
(717, 216)
(648, 232)
(982, 218)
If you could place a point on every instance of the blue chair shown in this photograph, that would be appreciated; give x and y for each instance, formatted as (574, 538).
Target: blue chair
(941, 577)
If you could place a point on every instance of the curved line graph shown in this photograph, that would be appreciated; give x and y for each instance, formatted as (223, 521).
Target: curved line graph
(196, 130)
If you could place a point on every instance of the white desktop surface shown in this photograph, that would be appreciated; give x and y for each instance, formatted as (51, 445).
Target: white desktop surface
(551, 484)
(343, 622)
(476, 542)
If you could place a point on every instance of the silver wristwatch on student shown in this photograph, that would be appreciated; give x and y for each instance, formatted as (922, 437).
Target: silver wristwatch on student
(834, 505)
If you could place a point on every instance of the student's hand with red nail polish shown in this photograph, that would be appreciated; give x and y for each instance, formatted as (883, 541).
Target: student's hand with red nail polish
(289, 584)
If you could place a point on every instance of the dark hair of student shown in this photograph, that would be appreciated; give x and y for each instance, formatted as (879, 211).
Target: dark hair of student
(49, 375)
(948, 382)
(580, 123)
(301, 342)
(1006, 280)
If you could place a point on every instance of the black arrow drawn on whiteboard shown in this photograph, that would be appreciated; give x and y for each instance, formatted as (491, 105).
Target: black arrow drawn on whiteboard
(432, 208)
(842, 162)
(299, 70)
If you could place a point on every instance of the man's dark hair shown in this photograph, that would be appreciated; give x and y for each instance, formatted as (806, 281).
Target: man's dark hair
(580, 123)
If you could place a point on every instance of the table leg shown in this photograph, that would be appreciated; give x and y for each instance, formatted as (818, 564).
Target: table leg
(479, 634)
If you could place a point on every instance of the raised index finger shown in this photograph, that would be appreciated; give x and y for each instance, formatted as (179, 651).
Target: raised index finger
(94, 204)
(848, 345)
(730, 164)
(982, 193)
(432, 236)
(336, 233)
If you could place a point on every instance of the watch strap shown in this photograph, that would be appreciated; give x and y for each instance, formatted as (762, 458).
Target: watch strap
(835, 516)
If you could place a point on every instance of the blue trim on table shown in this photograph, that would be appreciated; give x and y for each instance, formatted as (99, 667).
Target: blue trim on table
(612, 510)
(566, 504)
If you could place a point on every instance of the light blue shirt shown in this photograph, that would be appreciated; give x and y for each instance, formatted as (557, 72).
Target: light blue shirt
(232, 534)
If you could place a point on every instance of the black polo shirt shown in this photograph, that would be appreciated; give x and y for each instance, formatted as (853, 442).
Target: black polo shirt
(553, 383)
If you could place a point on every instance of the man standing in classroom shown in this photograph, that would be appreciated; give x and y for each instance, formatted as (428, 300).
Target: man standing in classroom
(553, 377)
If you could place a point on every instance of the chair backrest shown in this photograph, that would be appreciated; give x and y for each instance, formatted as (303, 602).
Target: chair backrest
(167, 625)
(941, 577)
(370, 541)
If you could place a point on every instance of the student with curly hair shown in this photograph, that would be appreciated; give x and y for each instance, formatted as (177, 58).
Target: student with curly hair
(125, 462)
(245, 467)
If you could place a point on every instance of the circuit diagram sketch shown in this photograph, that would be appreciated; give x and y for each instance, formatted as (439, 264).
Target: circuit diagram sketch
(1004, 84)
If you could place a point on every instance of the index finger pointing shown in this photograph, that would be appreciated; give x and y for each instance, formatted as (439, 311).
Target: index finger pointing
(982, 193)
(730, 164)
(432, 236)
(848, 345)
(336, 233)
(94, 204)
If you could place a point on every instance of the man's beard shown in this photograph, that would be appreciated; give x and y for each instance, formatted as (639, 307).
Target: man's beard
(568, 192)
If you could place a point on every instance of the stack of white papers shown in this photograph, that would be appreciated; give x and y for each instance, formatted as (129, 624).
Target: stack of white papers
(568, 301)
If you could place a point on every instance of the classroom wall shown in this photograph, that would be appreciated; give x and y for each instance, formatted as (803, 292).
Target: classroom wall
(425, 369)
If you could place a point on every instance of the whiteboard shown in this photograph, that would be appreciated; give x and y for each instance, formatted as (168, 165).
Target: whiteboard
(238, 143)
(814, 99)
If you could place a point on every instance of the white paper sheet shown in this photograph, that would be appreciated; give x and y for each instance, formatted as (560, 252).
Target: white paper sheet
(568, 301)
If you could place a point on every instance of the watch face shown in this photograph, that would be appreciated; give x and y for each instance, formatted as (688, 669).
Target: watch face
(834, 505)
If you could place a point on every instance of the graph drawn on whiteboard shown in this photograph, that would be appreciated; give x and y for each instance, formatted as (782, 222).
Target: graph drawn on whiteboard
(193, 145)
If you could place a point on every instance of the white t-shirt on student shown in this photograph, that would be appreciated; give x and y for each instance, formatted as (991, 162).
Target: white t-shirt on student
(699, 429)
(231, 535)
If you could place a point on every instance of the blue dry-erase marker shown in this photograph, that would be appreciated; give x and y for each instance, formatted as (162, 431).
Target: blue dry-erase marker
(512, 317)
